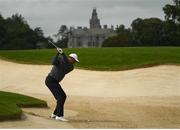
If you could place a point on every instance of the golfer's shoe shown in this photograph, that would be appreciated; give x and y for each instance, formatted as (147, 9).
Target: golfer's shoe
(53, 116)
(60, 119)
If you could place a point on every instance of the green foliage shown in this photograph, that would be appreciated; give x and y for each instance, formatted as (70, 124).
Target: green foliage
(122, 38)
(121, 30)
(150, 31)
(172, 12)
(15, 33)
(172, 27)
(116, 41)
(147, 31)
(105, 59)
(10, 103)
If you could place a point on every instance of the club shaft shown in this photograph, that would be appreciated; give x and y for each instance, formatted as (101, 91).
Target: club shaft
(52, 43)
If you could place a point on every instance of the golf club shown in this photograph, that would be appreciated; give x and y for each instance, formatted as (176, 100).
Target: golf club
(58, 48)
(53, 44)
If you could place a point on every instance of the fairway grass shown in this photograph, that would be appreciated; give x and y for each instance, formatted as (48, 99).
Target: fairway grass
(10, 104)
(103, 59)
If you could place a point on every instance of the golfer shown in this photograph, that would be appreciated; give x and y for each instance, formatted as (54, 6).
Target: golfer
(61, 66)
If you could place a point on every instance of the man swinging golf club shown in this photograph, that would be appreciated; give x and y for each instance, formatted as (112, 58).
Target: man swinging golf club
(61, 66)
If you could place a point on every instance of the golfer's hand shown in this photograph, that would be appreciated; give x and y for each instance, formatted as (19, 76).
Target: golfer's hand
(60, 50)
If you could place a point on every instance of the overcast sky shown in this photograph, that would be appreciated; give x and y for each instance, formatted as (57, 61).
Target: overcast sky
(51, 14)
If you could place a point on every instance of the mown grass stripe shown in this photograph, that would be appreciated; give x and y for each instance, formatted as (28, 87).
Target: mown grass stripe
(10, 104)
(103, 59)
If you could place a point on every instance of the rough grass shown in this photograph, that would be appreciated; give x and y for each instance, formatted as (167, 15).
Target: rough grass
(10, 104)
(105, 59)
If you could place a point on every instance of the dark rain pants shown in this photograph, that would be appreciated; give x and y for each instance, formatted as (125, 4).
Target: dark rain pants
(58, 93)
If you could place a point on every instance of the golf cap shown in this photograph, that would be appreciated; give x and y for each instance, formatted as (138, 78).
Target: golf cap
(74, 56)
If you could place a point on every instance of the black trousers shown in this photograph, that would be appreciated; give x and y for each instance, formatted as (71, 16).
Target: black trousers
(58, 93)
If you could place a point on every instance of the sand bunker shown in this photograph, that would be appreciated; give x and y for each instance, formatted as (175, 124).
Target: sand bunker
(140, 98)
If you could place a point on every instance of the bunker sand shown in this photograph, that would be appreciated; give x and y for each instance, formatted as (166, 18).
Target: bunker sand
(140, 98)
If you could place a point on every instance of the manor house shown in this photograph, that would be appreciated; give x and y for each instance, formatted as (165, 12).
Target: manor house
(83, 37)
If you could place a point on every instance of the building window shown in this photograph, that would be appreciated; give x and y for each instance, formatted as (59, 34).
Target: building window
(89, 44)
(97, 44)
(79, 44)
(97, 41)
(94, 44)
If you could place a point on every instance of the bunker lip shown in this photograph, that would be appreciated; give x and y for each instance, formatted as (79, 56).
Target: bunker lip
(119, 92)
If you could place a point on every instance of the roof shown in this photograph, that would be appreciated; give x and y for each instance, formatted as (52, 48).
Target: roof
(95, 31)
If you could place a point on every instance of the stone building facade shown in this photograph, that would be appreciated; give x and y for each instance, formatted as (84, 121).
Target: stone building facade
(83, 37)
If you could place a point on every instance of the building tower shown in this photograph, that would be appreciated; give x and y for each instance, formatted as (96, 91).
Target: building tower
(94, 21)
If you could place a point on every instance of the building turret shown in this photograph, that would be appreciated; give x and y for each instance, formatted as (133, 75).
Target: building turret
(90, 37)
(94, 21)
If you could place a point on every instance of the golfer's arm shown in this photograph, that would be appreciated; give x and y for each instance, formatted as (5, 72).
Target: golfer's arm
(55, 60)
(67, 66)
(65, 58)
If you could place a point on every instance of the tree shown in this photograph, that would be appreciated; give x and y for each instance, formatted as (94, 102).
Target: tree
(117, 41)
(172, 24)
(172, 12)
(61, 32)
(147, 31)
(2, 31)
(122, 38)
(15, 33)
(39, 31)
(62, 36)
(120, 29)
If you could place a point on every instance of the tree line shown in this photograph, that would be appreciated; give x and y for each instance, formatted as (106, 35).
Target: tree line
(150, 31)
(15, 33)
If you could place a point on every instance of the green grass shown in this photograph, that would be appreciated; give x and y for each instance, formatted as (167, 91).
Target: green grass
(105, 59)
(10, 104)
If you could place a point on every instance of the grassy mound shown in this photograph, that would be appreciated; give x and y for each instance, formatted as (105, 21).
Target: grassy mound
(108, 59)
(10, 104)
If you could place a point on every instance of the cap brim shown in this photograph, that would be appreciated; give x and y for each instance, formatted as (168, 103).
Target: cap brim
(77, 60)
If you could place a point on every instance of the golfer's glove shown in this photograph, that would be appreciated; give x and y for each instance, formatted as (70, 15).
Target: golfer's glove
(60, 50)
